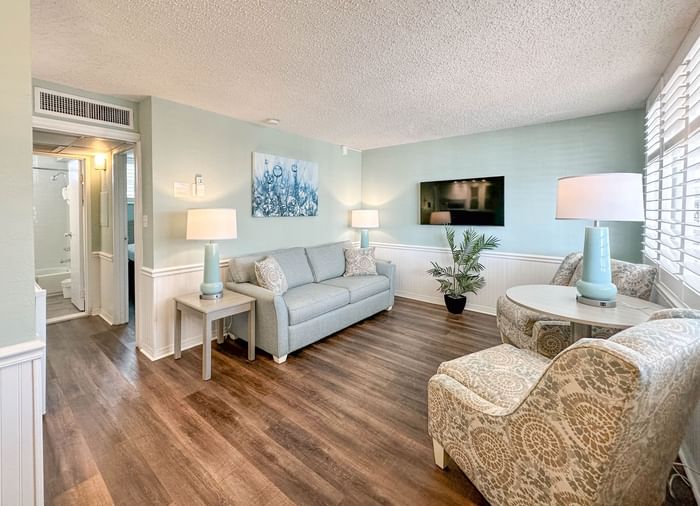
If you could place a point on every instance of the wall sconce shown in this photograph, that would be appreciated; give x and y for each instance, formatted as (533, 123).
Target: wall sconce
(100, 162)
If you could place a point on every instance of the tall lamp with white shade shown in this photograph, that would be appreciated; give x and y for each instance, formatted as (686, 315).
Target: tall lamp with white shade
(211, 225)
(364, 219)
(599, 197)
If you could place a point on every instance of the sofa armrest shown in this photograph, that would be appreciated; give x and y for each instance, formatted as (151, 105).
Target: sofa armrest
(271, 319)
(676, 312)
(386, 268)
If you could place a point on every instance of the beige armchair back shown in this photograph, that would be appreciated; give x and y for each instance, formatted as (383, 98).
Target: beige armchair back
(599, 424)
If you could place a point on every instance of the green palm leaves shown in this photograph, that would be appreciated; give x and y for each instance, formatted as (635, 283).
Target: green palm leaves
(464, 275)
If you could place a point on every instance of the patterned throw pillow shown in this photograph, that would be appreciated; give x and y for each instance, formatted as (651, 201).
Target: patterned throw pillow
(271, 276)
(360, 262)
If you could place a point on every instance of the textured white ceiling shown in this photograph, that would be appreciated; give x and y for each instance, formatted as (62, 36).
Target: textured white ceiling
(367, 74)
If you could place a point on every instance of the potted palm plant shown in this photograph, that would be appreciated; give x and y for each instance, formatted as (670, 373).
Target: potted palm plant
(464, 275)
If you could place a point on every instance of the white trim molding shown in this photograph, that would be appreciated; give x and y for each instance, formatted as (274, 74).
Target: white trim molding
(72, 127)
(21, 409)
(103, 255)
(180, 269)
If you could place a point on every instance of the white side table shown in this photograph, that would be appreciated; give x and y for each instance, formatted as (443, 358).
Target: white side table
(210, 311)
(560, 302)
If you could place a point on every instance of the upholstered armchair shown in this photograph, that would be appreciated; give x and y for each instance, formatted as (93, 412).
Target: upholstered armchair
(541, 333)
(599, 424)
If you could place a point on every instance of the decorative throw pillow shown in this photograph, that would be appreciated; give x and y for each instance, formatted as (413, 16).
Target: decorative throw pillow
(360, 262)
(271, 276)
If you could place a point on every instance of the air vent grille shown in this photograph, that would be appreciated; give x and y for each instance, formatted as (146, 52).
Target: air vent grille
(69, 106)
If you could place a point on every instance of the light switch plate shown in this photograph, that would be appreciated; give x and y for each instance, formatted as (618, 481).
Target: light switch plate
(181, 190)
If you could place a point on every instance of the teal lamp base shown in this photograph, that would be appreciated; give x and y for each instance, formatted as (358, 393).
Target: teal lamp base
(211, 287)
(595, 286)
(364, 238)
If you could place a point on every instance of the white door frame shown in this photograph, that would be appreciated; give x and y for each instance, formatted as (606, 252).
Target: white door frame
(85, 231)
(71, 128)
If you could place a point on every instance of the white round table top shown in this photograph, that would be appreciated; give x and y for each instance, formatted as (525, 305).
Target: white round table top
(560, 302)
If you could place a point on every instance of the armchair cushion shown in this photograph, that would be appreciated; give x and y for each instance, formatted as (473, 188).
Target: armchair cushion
(676, 312)
(501, 375)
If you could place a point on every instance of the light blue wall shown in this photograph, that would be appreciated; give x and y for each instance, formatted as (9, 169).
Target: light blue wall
(185, 141)
(531, 159)
(17, 314)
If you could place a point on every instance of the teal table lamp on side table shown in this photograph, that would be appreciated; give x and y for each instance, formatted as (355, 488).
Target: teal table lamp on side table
(596, 197)
(364, 219)
(211, 225)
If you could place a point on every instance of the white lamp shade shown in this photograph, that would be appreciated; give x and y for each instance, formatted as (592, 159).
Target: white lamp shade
(440, 218)
(211, 224)
(365, 218)
(608, 197)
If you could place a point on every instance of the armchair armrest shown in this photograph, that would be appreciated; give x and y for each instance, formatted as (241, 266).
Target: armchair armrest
(676, 312)
(271, 319)
(386, 268)
(552, 337)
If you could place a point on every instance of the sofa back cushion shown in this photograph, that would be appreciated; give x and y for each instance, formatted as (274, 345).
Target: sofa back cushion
(633, 280)
(292, 261)
(327, 261)
(295, 266)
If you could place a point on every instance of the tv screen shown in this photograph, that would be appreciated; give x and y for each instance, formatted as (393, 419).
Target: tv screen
(475, 201)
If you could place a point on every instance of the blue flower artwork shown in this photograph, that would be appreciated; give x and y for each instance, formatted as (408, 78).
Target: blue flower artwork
(284, 187)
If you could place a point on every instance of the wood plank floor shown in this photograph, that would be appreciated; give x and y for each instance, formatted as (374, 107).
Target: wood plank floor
(342, 422)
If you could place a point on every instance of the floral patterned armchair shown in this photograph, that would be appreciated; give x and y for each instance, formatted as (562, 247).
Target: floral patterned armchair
(533, 331)
(601, 423)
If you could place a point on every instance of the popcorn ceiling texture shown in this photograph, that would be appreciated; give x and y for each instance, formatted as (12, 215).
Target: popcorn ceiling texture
(367, 74)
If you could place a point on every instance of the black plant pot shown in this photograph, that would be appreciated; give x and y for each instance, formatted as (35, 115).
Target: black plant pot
(455, 305)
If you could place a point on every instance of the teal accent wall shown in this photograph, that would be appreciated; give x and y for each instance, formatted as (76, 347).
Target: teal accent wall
(531, 159)
(17, 265)
(185, 141)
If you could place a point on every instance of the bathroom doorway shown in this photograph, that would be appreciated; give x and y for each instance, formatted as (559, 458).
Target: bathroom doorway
(59, 234)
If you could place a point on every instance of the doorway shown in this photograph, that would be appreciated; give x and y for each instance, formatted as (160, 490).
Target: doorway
(59, 233)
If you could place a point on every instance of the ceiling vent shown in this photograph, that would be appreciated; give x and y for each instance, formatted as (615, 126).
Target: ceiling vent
(83, 109)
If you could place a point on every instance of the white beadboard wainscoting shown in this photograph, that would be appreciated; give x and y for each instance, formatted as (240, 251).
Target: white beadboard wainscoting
(156, 312)
(503, 270)
(21, 440)
(104, 306)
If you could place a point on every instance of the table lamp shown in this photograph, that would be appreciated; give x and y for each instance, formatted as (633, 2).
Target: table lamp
(211, 225)
(596, 197)
(365, 219)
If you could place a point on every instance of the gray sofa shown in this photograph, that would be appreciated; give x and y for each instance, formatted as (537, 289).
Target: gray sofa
(319, 301)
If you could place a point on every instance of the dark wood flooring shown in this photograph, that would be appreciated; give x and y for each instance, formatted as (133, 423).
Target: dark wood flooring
(342, 422)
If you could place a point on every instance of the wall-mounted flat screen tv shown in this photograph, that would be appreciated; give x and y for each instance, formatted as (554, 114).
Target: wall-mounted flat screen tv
(474, 201)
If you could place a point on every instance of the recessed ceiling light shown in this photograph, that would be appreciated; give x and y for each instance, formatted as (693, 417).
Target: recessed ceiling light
(272, 121)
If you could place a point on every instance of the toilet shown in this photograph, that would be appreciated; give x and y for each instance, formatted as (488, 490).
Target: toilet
(65, 286)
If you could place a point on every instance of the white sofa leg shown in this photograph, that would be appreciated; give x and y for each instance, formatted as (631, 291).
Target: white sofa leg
(279, 360)
(390, 308)
(439, 454)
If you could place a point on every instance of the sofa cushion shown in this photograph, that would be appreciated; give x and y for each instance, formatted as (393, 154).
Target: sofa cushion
(271, 276)
(502, 375)
(360, 262)
(360, 287)
(295, 266)
(327, 261)
(314, 299)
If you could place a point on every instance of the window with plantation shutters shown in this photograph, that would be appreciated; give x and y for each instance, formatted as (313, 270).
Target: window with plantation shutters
(672, 181)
